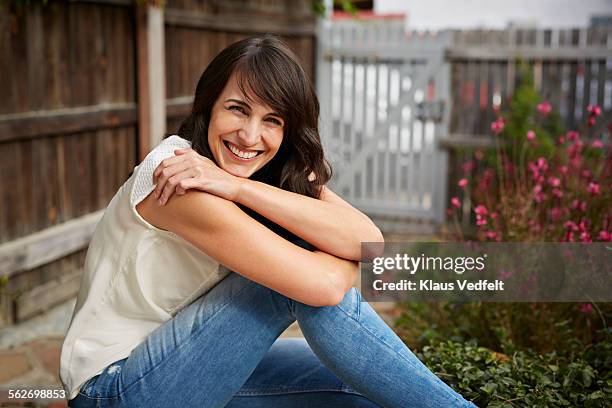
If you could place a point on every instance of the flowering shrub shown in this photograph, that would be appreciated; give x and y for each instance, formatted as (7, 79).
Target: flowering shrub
(540, 183)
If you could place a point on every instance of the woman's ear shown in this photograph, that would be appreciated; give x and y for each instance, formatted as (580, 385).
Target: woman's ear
(312, 176)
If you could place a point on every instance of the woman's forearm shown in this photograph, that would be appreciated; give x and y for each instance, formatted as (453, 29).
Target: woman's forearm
(333, 228)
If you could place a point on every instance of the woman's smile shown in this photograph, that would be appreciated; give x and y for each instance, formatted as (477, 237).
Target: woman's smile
(239, 154)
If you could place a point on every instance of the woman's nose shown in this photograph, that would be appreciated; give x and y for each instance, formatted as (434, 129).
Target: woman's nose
(250, 133)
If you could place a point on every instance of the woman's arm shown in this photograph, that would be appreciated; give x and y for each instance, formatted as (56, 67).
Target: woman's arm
(330, 224)
(220, 229)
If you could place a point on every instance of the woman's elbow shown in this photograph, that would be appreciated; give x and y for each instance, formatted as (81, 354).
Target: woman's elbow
(374, 246)
(333, 297)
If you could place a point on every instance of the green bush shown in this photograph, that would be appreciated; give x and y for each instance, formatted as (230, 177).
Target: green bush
(523, 379)
(506, 327)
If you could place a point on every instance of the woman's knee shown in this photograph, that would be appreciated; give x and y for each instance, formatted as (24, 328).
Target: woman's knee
(350, 306)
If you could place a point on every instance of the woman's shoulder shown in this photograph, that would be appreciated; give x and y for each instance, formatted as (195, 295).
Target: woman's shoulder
(143, 173)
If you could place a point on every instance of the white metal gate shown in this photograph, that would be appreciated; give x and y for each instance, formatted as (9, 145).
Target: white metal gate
(383, 95)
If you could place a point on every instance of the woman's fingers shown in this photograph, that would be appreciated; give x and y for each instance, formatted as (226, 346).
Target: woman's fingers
(173, 182)
(181, 155)
(189, 156)
(166, 174)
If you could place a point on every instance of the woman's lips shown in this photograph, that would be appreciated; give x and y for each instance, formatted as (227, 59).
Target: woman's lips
(235, 156)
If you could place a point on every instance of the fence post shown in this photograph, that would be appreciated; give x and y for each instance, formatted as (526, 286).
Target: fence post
(151, 77)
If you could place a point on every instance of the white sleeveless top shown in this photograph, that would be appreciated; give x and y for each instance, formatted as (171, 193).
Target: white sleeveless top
(136, 277)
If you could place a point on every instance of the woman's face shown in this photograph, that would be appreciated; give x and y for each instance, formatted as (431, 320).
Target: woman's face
(243, 135)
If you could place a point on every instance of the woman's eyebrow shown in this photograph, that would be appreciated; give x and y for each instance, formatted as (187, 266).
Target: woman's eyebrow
(238, 101)
(243, 103)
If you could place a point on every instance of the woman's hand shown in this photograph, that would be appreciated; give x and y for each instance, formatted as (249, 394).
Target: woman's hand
(187, 169)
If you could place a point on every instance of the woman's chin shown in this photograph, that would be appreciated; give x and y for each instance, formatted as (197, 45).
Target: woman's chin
(240, 171)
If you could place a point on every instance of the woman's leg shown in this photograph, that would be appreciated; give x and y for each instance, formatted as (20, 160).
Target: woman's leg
(291, 376)
(205, 354)
(357, 346)
(199, 358)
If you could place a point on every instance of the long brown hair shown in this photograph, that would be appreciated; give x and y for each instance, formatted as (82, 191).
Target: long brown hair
(269, 71)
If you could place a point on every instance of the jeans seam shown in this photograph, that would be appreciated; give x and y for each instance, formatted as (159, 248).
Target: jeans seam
(280, 391)
(250, 283)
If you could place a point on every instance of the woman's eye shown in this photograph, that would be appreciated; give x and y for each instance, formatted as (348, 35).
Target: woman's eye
(237, 108)
(275, 121)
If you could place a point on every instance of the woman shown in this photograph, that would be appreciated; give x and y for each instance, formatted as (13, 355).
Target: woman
(161, 321)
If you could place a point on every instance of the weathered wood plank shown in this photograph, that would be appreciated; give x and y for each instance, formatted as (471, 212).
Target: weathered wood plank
(47, 295)
(29, 125)
(526, 52)
(47, 245)
(459, 140)
(240, 23)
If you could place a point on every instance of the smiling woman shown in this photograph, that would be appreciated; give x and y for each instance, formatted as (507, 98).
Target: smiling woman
(222, 237)
(243, 137)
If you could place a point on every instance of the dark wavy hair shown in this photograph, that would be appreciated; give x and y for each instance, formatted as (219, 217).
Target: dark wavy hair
(268, 72)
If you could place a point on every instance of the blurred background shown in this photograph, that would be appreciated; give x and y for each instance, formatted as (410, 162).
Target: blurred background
(443, 121)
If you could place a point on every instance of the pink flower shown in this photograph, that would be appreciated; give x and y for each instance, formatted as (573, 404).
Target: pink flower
(572, 135)
(593, 188)
(481, 210)
(538, 195)
(530, 135)
(594, 110)
(557, 193)
(570, 225)
(554, 181)
(586, 308)
(498, 126)
(463, 182)
(563, 169)
(468, 166)
(592, 121)
(561, 140)
(576, 162)
(586, 173)
(583, 225)
(597, 144)
(556, 213)
(492, 235)
(480, 220)
(542, 164)
(604, 236)
(585, 237)
(580, 205)
(544, 108)
(455, 202)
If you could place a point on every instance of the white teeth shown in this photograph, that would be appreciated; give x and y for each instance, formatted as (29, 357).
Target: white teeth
(241, 154)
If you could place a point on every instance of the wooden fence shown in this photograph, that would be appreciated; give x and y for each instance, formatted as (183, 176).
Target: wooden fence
(77, 112)
(571, 68)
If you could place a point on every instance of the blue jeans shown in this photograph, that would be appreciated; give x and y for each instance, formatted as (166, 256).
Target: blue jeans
(223, 350)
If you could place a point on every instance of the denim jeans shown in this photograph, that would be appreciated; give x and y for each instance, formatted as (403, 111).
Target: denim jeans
(223, 350)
